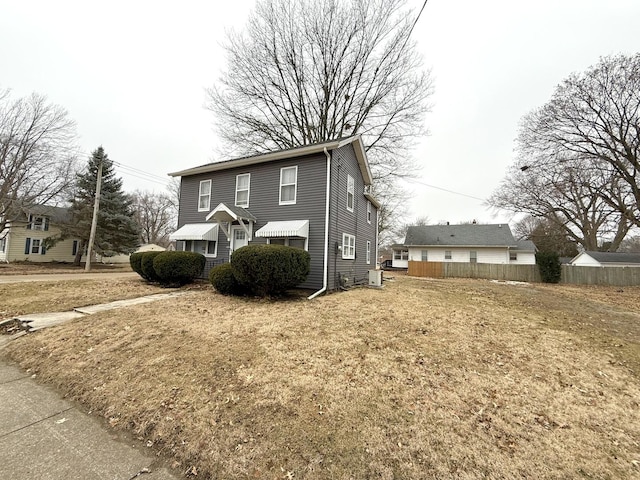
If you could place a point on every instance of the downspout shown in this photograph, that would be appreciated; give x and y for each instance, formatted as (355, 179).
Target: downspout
(325, 273)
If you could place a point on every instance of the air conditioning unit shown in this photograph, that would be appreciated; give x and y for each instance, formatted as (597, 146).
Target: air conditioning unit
(375, 278)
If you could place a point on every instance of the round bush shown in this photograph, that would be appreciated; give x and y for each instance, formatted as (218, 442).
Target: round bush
(148, 270)
(135, 260)
(178, 268)
(270, 269)
(224, 281)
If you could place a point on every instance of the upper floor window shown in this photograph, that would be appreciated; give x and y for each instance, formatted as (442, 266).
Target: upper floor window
(38, 223)
(348, 246)
(288, 185)
(368, 211)
(350, 192)
(242, 190)
(204, 196)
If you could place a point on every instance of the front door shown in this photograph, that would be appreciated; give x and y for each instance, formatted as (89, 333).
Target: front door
(238, 238)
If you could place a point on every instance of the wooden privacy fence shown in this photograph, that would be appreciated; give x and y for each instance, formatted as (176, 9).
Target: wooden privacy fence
(619, 276)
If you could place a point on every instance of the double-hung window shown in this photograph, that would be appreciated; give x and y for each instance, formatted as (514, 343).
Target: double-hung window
(242, 190)
(513, 256)
(447, 254)
(36, 246)
(204, 247)
(204, 196)
(368, 252)
(288, 185)
(350, 192)
(425, 256)
(368, 211)
(348, 246)
(473, 256)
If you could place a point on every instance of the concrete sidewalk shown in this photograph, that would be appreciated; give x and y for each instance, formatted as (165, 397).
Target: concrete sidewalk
(45, 437)
(60, 277)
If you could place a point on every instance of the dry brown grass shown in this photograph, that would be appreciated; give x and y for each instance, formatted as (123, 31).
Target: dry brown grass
(423, 379)
(35, 268)
(39, 297)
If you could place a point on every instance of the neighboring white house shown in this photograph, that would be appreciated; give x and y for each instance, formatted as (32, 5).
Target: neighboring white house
(471, 243)
(606, 259)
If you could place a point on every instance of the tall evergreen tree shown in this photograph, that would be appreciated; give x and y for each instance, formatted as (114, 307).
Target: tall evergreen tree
(117, 231)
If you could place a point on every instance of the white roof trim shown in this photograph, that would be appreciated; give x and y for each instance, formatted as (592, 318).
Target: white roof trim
(290, 228)
(284, 154)
(196, 231)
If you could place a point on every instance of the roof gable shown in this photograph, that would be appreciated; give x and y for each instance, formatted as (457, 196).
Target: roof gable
(497, 235)
(355, 141)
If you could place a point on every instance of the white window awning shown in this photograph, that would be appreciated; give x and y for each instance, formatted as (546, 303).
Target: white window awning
(291, 228)
(196, 231)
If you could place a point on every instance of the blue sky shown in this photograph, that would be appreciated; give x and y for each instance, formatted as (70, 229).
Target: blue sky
(133, 74)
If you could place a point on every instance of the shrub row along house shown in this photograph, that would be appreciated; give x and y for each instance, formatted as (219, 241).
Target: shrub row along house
(471, 243)
(316, 197)
(25, 238)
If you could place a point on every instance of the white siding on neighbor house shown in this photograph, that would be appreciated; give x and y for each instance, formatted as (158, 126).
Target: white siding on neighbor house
(495, 255)
(16, 242)
(585, 260)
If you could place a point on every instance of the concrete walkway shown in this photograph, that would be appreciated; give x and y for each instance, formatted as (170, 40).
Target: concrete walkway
(45, 437)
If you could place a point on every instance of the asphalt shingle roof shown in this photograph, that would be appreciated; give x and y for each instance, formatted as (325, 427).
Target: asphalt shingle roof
(615, 257)
(496, 235)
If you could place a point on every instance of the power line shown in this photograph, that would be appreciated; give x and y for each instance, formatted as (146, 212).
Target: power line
(445, 190)
(414, 24)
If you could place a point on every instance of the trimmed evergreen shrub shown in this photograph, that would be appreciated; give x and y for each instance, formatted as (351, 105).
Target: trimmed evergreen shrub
(270, 269)
(135, 260)
(148, 270)
(549, 266)
(178, 268)
(224, 281)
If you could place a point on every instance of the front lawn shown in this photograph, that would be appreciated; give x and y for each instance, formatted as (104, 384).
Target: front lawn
(422, 379)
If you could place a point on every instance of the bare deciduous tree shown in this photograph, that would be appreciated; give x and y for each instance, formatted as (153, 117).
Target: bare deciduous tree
(310, 71)
(156, 215)
(565, 193)
(595, 117)
(37, 159)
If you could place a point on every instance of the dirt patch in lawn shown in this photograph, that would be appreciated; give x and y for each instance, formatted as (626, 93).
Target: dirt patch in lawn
(422, 379)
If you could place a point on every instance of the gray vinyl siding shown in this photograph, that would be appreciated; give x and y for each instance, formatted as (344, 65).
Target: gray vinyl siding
(355, 223)
(264, 196)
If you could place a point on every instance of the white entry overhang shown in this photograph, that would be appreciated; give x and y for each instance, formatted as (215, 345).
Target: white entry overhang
(226, 214)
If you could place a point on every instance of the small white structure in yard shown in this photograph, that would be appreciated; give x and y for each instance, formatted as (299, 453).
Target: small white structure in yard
(606, 259)
(472, 243)
(147, 247)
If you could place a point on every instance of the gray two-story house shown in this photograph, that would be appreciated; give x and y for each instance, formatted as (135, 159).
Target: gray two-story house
(315, 197)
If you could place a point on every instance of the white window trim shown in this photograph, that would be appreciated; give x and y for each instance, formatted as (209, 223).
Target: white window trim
(208, 255)
(369, 212)
(348, 247)
(243, 205)
(38, 248)
(368, 252)
(448, 255)
(295, 186)
(200, 195)
(473, 258)
(423, 254)
(401, 254)
(286, 241)
(351, 192)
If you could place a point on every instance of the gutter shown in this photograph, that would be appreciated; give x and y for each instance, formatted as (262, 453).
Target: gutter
(325, 273)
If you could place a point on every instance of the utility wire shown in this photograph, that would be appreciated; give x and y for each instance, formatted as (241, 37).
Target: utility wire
(445, 189)
(414, 24)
